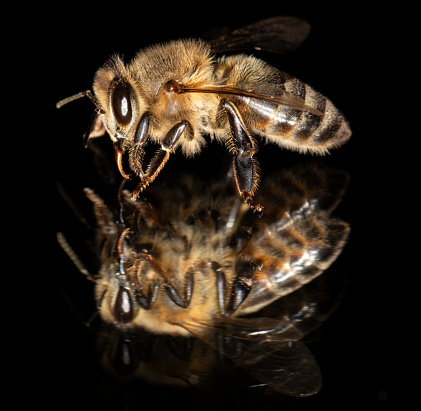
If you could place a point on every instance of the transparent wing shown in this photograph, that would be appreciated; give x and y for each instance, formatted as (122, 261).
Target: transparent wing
(277, 34)
(268, 349)
(287, 367)
(281, 34)
(281, 97)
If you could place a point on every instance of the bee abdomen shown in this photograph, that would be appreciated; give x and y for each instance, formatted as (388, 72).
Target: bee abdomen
(319, 132)
(317, 129)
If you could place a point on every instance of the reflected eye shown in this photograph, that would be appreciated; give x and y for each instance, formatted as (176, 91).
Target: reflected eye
(123, 307)
(121, 105)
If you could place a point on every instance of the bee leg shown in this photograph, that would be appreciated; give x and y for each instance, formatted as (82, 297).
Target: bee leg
(136, 152)
(244, 165)
(170, 289)
(139, 141)
(175, 295)
(96, 127)
(161, 157)
(118, 151)
(181, 347)
(145, 301)
(181, 301)
(220, 286)
(239, 289)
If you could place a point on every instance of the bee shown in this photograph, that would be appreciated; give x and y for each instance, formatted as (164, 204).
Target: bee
(135, 354)
(174, 94)
(190, 259)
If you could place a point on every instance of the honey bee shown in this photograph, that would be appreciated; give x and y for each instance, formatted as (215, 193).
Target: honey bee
(190, 259)
(174, 94)
(135, 354)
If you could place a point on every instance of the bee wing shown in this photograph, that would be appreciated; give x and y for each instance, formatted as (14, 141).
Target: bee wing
(285, 366)
(301, 240)
(266, 348)
(280, 277)
(282, 97)
(281, 35)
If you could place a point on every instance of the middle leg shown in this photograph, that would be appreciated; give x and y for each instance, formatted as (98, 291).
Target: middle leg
(244, 165)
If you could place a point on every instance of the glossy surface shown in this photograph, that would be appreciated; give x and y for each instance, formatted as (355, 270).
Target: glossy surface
(356, 349)
(191, 260)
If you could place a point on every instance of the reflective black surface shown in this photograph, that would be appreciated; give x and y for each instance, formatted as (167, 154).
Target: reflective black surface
(54, 356)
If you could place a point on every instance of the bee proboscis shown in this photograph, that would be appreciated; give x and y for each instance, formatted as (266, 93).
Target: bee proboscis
(175, 93)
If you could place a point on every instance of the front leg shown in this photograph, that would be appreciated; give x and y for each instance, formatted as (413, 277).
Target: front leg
(139, 141)
(244, 165)
(136, 152)
(161, 157)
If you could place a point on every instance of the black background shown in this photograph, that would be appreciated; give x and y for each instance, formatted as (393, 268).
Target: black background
(349, 56)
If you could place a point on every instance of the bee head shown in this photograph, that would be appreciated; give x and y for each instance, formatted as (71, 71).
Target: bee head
(119, 99)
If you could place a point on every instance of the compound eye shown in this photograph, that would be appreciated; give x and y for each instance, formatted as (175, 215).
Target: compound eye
(121, 105)
(123, 306)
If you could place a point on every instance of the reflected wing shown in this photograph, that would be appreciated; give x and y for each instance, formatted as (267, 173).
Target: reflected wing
(267, 349)
(287, 366)
(277, 34)
(300, 239)
(287, 266)
(311, 305)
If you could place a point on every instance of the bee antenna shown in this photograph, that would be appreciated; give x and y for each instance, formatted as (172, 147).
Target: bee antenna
(86, 93)
(72, 255)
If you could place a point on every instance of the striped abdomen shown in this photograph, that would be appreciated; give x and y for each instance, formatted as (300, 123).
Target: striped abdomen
(316, 127)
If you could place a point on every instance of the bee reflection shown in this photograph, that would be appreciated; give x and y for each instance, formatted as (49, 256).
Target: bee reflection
(190, 260)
